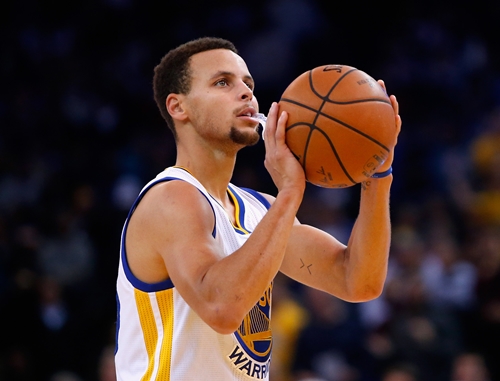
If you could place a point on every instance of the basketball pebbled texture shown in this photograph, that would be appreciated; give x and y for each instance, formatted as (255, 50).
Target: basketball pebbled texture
(341, 124)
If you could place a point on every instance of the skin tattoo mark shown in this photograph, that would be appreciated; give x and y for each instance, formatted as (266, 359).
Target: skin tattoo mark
(303, 264)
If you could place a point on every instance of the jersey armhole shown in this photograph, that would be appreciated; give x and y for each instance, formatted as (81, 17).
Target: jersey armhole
(258, 196)
(137, 283)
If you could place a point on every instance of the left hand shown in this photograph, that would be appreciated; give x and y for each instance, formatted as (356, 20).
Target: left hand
(395, 105)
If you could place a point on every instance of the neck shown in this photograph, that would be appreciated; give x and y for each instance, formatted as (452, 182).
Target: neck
(212, 168)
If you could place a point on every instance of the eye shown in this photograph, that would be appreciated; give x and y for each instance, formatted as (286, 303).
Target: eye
(222, 82)
(250, 85)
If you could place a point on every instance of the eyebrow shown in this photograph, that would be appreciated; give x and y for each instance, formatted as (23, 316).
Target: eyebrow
(231, 74)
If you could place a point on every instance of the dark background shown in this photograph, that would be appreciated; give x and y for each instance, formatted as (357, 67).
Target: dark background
(80, 134)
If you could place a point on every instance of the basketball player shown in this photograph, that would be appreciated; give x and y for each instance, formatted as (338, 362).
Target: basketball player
(199, 255)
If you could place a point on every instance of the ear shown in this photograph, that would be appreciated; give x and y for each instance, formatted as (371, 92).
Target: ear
(174, 106)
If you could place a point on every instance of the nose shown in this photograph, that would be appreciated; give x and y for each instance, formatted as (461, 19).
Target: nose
(246, 93)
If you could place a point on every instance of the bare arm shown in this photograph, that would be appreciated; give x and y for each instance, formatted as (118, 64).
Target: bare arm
(355, 272)
(174, 222)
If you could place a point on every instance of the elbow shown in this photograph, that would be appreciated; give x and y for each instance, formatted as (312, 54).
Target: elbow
(366, 293)
(224, 327)
(370, 294)
(224, 320)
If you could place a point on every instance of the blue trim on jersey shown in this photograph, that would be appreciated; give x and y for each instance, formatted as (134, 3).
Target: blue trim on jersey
(259, 197)
(240, 218)
(117, 322)
(140, 285)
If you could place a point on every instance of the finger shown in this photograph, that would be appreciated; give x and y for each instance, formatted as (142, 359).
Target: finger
(271, 122)
(281, 128)
(395, 104)
(382, 83)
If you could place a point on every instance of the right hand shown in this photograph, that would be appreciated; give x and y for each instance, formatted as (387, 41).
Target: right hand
(280, 162)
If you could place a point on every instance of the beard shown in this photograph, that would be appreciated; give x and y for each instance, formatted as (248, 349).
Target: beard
(246, 138)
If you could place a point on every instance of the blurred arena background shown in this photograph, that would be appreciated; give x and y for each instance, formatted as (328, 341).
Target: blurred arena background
(80, 134)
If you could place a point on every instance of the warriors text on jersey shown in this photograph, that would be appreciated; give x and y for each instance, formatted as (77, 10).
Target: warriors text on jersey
(159, 337)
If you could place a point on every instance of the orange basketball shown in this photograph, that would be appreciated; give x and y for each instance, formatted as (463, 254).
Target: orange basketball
(341, 125)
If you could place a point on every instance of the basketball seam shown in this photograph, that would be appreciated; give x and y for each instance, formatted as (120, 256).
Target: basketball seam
(336, 154)
(318, 112)
(347, 102)
(313, 126)
(311, 83)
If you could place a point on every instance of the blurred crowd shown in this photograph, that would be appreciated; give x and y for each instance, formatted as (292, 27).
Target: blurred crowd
(80, 134)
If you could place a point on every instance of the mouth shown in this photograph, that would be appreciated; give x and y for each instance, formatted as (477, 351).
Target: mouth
(248, 112)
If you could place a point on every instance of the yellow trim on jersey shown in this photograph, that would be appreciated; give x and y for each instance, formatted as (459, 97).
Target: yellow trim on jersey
(166, 306)
(184, 168)
(237, 224)
(165, 300)
(149, 331)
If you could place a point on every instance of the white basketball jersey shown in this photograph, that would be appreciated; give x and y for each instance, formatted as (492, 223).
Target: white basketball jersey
(159, 337)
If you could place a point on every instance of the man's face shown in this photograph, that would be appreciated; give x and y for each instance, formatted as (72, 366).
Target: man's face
(221, 102)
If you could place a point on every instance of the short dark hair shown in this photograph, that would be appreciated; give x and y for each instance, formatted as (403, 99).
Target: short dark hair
(173, 75)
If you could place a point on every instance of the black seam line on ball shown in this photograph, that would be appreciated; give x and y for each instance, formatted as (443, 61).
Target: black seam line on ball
(335, 120)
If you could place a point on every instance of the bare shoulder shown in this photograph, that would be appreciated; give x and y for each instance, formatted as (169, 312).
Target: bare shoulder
(166, 218)
(164, 200)
(172, 204)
